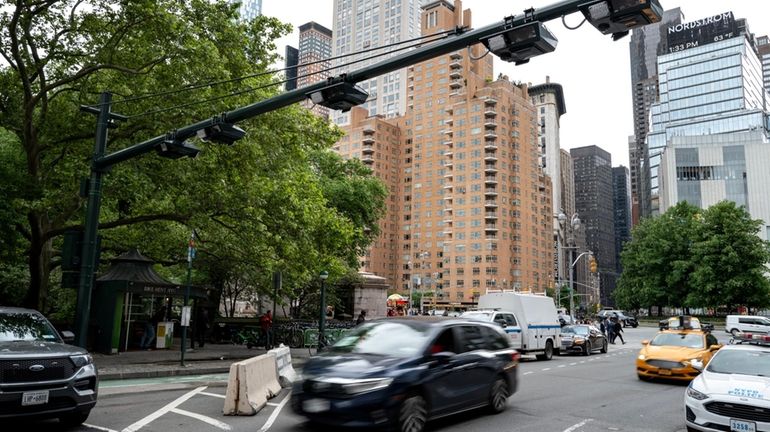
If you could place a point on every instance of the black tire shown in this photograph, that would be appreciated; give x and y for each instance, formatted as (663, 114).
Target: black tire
(635, 325)
(604, 347)
(588, 349)
(642, 378)
(690, 429)
(74, 419)
(498, 396)
(548, 354)
(413, 414)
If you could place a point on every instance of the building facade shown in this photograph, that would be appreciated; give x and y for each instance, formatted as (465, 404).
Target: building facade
(711, 84)
(548, 100)
(363, 26)
(248, 9)
(594, 205)
(291, 58)
(763, 49)
(315, 52)
(621, 205)
(647, 43)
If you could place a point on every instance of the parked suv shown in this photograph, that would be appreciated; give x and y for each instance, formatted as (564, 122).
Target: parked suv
(40, 375)
(737, 324)
(626, 320)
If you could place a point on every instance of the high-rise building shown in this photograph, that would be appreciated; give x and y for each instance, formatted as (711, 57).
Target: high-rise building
(710, 84)
(315, 51)
(291, 56)
(567, 178)
(647, 43)
(763, 48)
(621, 198)
(248, 9)
(469, 203)
(548, 99)
(718, 149)
(359, 28)
(593, 202)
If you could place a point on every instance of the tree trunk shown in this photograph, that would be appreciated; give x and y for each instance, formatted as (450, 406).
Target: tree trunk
(39, 261)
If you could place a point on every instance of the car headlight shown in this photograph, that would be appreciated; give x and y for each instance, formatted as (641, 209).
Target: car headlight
(366, 385)
(642, 357)
(81, 360)
(695, 394)
(579, 340)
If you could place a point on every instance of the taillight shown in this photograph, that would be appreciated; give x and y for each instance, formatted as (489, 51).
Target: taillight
(515, 357)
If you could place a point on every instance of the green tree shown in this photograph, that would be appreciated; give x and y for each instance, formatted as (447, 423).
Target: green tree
(731, 259)
(657, 262)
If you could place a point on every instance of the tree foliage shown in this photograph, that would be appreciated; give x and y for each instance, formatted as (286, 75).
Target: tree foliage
(689, 257)
(277, 200)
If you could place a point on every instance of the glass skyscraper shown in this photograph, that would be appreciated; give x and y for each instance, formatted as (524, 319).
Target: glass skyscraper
(248, 9)
(710, 83)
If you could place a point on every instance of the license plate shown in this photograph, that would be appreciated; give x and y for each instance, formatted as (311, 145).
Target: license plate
(316, 405)
(664, 372)
(742, 426)
(34, 398)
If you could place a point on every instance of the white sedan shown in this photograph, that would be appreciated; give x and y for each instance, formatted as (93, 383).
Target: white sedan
(732, 393)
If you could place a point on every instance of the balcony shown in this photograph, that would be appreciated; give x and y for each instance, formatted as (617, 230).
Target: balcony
(448, 221)
(368, 130)
(490, 191)
(490, 179)
(455, 65)
(490, 101)
(490, 227)
(448, 143)
(449, 110)
(455, 56)
(490, 146)
(490, 157)
(367, 150)
(490, 203)
(449, 153)
(447, 200)
(490, 215)
(490, 136)
(367, 160)
(490, 124)
(448, 186)
(489, 112)
(448, 163)
(448, 176)
(448, 132)
(454, 93)
(491, 237)
(490, 168)
(448, 121)
(368, 140)
(455, 74)
(456, 84)
(448, 231)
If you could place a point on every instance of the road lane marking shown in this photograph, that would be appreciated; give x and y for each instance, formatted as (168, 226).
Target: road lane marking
(213, 395)
(203, 418)
(157, 414)
(546, 369)
(572, 364)
(527, 373)
(577, 426)
(98, 428)
(273, 404)
(275, 413)
(561, 366)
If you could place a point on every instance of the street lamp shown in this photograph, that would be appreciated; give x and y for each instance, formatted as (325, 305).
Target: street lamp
(574, 225)
(322, 318)
(571, 287)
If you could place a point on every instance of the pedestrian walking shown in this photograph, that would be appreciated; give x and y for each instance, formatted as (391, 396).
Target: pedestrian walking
(602, 327)
(149, 328)
(610, 330)
(266, 322)
(619, 331)
(361, 317)
(202, 326)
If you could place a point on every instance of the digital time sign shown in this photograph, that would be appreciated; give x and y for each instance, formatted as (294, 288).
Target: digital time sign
(701, 32)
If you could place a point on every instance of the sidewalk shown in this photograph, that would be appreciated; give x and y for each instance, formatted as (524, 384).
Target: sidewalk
(211, 359)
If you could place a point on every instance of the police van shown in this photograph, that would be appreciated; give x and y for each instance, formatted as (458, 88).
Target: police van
(530, 320)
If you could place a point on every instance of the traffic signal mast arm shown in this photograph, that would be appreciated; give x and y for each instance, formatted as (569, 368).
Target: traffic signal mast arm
(460, 39)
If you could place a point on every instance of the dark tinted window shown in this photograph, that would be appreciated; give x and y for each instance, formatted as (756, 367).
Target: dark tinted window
(472, 338)
(26, 327)
(510, 319)
(495, 340)
(384, 338)
(445, 342)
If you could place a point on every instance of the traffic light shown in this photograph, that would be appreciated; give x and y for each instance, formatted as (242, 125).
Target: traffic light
(592, 264)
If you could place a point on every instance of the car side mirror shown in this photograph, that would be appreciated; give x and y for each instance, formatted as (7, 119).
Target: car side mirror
(713, 348)
(68, 336)
(645, 342)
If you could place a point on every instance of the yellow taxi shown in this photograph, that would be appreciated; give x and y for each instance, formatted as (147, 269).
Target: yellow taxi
(670, 353)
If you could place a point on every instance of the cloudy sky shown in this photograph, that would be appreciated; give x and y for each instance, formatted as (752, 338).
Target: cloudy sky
(594, 70)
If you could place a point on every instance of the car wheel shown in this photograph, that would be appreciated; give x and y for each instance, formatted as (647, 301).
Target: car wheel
(588, 348)
(74, 419)
(735, 332)
(498, 396)
(635, 325)
(413, 414)
(548, 351)
(604, 347)
(690, 429)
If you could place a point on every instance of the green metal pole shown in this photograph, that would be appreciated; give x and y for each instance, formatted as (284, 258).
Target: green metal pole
(322, 317)
(186, 300)
(90, 254)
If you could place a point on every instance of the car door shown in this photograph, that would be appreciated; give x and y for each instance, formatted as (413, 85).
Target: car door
(596, 337)
(474, 364)
(512, 329)
(447, 381)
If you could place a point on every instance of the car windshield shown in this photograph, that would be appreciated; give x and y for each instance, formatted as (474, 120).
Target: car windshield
(385, 339)
(481, 316)
(689, 340)
(26, 327)
(578, 330)
(744, 362)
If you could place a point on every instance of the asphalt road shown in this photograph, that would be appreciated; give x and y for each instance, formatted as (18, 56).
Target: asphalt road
(567, 394)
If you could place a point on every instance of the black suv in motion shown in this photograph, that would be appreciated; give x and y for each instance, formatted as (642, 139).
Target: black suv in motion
(404, 372)
(40, 375)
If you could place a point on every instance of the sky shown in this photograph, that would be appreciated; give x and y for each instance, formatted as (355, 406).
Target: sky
(593, 70)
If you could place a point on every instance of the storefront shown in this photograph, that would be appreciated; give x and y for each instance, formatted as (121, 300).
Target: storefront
(127, 295)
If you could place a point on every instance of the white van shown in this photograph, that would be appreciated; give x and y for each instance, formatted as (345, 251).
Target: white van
(736, 324)
(530, 320)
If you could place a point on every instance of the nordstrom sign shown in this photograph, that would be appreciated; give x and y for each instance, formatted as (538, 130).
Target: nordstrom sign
(727, 16)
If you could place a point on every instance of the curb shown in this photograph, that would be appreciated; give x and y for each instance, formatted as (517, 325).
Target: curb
(111, 376)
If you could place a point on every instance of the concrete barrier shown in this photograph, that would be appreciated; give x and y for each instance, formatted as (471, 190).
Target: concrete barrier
(286, 373)
(250, 384)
